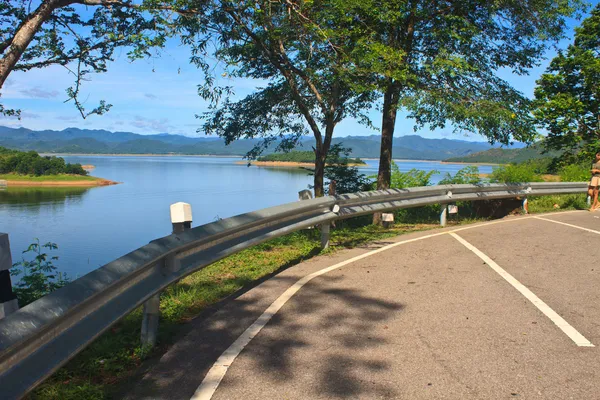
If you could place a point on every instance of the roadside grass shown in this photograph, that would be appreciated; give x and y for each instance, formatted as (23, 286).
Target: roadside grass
(47, 178)
(557, 202)
(101, 370)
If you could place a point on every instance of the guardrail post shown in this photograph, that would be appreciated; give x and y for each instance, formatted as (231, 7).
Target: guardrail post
(589, 200)
(325, 235)
(8, 300)
(181, 219)
(525, 205)
(443, 215)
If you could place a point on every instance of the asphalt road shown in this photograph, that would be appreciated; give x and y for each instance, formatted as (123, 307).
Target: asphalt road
(500, 310)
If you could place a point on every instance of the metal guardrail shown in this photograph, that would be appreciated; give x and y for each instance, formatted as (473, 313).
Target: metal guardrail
(42, 336)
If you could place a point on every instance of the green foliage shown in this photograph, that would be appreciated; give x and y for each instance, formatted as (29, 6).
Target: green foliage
(412, 178)
(574, 173)
(567, 95)
(31, 163)
(37, 272)
(440, 62)
(514, 173)
(467, 175)
(544, 165)
(299, 50)
(347, 178)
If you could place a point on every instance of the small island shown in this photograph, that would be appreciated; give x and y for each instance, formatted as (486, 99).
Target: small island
(20, 168)
(296, 159)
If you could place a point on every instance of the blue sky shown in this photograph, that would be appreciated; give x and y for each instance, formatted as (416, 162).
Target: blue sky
(159, 96)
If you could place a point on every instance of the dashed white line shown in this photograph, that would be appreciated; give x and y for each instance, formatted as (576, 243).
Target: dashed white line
(559, 321)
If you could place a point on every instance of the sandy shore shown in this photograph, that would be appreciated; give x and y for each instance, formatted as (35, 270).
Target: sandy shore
(82, 183)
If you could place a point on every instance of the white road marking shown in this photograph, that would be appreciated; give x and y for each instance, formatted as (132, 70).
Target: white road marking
(572, 226)
(559, 321)
(215, 375)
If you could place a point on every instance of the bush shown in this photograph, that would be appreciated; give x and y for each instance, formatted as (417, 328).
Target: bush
(347, 178)
(515, 173)
(467, 175)
(38, 274)
(574, 173)
(412, 178)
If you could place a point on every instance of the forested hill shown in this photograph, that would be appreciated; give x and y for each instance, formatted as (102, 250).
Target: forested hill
(505, 156)
(74, 140)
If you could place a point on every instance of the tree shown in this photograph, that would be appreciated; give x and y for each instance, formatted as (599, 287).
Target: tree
(347, 178)
(439, 61)
(295, 47)
(568, 95)
(69, 34)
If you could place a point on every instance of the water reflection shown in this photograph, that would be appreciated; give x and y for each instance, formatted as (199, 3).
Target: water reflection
(35, 197)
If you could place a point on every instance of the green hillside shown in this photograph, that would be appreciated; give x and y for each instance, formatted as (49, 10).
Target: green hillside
(74, 140)
(505, 156)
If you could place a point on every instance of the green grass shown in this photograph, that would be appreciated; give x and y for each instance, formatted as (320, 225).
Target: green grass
(112, 359)
(557, 202)
(47, 178)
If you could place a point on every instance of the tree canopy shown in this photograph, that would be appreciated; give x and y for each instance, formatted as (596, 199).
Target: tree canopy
(440, 61)
(80, 35)
(568, 95)
(284, 44)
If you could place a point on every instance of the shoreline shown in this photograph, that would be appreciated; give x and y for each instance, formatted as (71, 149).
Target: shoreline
(285, 164)
(56, 183)
(469, 163)
(254, 162)
(138, 155)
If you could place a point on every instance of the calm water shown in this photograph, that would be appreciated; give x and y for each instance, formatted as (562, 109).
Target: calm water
(94, 226)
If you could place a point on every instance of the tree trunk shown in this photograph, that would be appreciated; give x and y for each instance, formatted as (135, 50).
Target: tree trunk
(388, 124)
(25, 34)
(320, 157)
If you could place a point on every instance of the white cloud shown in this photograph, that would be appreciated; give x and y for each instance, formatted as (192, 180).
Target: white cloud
(158, 125)
(40, 93)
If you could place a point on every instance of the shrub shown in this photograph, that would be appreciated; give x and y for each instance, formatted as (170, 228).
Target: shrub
(574, 173)
(412, 178)
(515, 173)
(38, 274)
(467, 175)
(347, 178)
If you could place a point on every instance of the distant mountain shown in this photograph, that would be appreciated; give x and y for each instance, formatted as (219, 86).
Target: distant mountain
(86, 141)
(506, 156)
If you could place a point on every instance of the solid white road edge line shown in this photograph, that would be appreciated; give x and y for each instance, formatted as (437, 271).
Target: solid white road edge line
(213, 378)
(559, 321)
(572, 226)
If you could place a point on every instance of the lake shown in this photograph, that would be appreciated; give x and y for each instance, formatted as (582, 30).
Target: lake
(94, 226)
